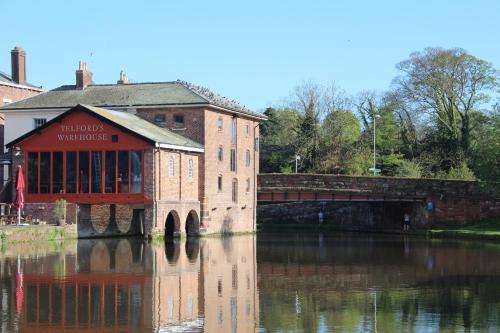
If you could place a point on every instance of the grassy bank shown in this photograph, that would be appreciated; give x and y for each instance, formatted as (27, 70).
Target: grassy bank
(21, 234)
(487, 229)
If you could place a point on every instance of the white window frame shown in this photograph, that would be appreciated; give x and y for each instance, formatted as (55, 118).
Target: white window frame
(38, 122)
(190, 168)
(171, 171)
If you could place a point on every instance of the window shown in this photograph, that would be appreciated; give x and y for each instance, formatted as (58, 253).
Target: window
(248, 185)
(160, 120)
(179, 120)
(235, 190)
(219, 183)
(190, 168)
(247, 130)
(135, 171)
(233, 160)
(32, 172)
(110, 181)
(96, 175)
(256, 144)
(233, 131)
(71, 172)
(57, 172)
(220, 153)
(37, 122)
(247, 158)
(83, 172)
(219, 124)
(171, 167)
(45, 172)
(123, 180)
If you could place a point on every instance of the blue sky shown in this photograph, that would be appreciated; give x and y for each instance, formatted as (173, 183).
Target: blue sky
(252, 51)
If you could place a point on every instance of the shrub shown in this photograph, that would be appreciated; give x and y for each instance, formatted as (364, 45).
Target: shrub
(461, 172)
(60, 209)
(409, 169)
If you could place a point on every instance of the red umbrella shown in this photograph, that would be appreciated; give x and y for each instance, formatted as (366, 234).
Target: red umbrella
(20, 188)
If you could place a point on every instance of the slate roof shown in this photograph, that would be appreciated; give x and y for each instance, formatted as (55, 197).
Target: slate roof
(6, 78)
(127, 121)
(130, 95)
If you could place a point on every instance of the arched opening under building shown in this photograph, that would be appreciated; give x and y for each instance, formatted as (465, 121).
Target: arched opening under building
(192, 224)
(172, 224)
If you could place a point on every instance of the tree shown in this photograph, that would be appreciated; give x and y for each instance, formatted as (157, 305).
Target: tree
(340, 131)
(486, 156)
(279, 139)
(369, 107)
(306, 99)
(447, 85)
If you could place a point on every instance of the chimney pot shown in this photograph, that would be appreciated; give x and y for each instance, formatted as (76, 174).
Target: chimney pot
(18, 65)
(83, 76)
(123, 78)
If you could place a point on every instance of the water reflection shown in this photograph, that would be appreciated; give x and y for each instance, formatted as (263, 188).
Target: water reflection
(306, 283)
(116, 285)
(354, 283)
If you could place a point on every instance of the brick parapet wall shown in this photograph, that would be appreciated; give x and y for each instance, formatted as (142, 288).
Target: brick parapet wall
(453, 201)
(390, 186)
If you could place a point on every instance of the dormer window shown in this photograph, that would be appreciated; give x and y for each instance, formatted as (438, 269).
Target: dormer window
(179, 120)
(160, 120)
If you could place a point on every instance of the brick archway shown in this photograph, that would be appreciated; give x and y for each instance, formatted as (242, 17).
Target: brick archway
(172, 224)
(192, 224)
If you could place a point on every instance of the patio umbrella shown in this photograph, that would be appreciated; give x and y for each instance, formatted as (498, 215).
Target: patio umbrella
(19, 197)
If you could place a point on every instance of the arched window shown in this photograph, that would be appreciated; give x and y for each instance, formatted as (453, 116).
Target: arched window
(247, 158)
(220, 153)
(171, 167)
(190, 168)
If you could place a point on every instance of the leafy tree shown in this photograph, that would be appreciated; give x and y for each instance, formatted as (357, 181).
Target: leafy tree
(279, 139)
(447, 85)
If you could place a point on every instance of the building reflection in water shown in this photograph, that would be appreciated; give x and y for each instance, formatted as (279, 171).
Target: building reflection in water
(120, 285)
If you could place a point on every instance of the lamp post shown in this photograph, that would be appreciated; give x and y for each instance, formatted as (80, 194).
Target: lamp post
(297, 158)
(374, 146)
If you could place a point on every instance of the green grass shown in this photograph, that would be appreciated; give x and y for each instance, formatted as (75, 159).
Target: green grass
(487, 229)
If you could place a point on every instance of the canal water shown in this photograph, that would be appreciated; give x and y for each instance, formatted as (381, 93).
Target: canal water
(287, 282)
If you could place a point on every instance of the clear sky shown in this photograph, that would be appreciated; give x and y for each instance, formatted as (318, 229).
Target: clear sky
(252, 51)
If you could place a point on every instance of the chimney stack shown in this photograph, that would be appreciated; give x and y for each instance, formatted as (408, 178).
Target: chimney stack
(123, 78)
(83, 76)
(18, 62)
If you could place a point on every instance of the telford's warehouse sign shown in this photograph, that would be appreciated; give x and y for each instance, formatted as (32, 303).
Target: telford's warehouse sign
(79, 132)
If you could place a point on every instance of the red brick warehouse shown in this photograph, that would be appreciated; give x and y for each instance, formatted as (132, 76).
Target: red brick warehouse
(204, 183)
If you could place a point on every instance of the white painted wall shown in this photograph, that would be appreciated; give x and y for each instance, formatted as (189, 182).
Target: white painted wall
(20, 122)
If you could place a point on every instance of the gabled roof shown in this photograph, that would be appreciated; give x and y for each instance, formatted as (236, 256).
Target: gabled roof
(6, 78)
(130, 123)
(131, 95)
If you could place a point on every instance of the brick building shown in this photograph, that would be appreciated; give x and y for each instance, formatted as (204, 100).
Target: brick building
(227, 132)
(13, 88)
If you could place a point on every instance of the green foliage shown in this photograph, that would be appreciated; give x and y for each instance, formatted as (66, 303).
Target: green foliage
(486, 161)
(60, 209)
(460, 172)
(434, 123)
(409, 169)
